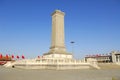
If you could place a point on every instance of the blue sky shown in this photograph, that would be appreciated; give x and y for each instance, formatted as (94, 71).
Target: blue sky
(25, 26)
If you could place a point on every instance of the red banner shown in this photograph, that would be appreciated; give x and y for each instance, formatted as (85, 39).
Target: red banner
(0, 55)
(17, 57)
(6, 56)
(12, 56)
(23, 57)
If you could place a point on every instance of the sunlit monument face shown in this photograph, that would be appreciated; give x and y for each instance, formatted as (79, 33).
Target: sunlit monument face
(57, 47)
(57, 44)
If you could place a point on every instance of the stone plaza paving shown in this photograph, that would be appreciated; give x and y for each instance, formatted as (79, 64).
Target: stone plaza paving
(91, 74)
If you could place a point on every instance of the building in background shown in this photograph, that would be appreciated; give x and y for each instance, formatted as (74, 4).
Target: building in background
(100, 58)
(115, 56)
(112, 57)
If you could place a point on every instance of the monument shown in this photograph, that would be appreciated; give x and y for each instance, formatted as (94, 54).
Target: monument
(58, 48)
(57, 57)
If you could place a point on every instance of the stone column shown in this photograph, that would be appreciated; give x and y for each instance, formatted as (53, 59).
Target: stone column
(57, 43)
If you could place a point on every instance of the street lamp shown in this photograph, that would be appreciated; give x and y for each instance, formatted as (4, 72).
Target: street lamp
(72, 42)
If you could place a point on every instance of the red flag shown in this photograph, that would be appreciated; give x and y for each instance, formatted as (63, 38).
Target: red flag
(0, 55)
(17, 57)
(12, 56)
(6, 56)
(97, 55)
(43, 56)
(38, 56)
(23, 57)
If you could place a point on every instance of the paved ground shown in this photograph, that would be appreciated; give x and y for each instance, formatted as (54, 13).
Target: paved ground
(21, 74)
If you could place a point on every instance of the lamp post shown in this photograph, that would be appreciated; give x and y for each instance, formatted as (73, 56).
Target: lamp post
(72, 42)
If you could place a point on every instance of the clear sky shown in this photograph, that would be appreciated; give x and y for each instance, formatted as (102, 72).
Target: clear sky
(25, 26)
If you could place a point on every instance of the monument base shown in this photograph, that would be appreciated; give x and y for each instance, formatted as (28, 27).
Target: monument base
(52, 63)
(56, 55)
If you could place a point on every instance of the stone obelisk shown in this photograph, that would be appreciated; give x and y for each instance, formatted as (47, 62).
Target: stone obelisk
(57, 44)
(57, 49)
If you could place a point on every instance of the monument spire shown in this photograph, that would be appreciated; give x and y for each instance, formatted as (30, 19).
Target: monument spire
(57, 48)
(57, 43)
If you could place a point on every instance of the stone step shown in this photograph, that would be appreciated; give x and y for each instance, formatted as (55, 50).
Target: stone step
(109, 66)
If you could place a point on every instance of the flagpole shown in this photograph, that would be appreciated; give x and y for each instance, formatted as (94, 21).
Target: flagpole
(72, 42)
